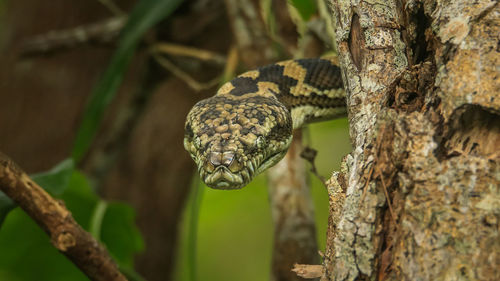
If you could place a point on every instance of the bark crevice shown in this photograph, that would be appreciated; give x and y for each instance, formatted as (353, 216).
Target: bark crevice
(472, 130)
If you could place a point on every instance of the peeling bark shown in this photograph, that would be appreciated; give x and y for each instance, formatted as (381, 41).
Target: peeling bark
(422, 182)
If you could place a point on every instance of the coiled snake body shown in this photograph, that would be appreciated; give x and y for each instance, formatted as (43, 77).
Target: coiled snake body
(247, 126)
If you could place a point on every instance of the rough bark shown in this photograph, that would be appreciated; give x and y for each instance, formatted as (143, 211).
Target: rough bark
(422, 182)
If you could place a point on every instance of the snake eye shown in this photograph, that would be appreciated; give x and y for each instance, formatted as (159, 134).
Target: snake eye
(260, 142)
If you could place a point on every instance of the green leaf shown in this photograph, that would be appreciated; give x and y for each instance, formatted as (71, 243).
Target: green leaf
(80, 199)
(27, 253)
(120, 234)
(24, 245)
(144, 15)
(306, 8)
(110, 222)
(56, 179)
(6, 205)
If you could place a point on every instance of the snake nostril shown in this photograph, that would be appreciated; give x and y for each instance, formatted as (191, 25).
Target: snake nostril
(221, 158)
(227, 158)
(216, 158)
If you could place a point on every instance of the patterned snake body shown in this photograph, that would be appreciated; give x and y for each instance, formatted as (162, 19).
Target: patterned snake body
(247, 126)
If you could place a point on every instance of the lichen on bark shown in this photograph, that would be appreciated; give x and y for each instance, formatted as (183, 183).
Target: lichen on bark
(422, 182)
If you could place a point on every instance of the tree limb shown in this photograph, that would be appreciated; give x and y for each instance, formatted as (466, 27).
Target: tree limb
(53, 217)
(102, 31)
(293, 214)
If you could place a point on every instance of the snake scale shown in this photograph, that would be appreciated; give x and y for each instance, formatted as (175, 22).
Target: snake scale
(246, 127)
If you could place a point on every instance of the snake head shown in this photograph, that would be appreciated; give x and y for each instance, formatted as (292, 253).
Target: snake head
(234, 139)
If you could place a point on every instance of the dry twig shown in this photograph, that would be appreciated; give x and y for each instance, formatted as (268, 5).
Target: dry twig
(377, 148)
(231, 64)
(180, 50)
(103, 31)
(365, 188)
(308, 271)
(53, 217)
(384, 187)
(112, 7)
(179, 73)
(309, 154)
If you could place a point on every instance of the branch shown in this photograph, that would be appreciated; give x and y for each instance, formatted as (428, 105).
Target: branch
(102, 31)
(53, 217)
(293, 215)
(180, 50)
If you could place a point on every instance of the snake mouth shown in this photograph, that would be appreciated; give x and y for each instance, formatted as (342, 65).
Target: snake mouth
(223, 178)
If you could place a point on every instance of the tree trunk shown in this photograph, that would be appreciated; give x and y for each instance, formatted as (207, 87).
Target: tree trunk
(422, 185)
(43, 95)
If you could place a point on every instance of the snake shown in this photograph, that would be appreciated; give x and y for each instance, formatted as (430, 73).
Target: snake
(246, 127)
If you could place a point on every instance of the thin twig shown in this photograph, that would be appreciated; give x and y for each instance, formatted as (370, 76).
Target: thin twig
(190, 81)
(53, 217)
(309, 154)
(231, 64)
(102, 31)
(379, 173)
(365, 188)
(386, 195)
(112, 7)
(377, 149)
(180, 50)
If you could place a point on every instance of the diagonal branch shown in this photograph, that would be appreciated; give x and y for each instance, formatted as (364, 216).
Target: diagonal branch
(102, 31)
(53, 217)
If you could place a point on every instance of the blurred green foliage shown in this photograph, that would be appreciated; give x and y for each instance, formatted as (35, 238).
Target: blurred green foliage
(6, 205)
(56, 179)
(27, 253)
(144, 15)
(306, 8)
(235, 232)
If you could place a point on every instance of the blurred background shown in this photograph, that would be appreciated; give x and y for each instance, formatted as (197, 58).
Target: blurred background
(93, 97)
